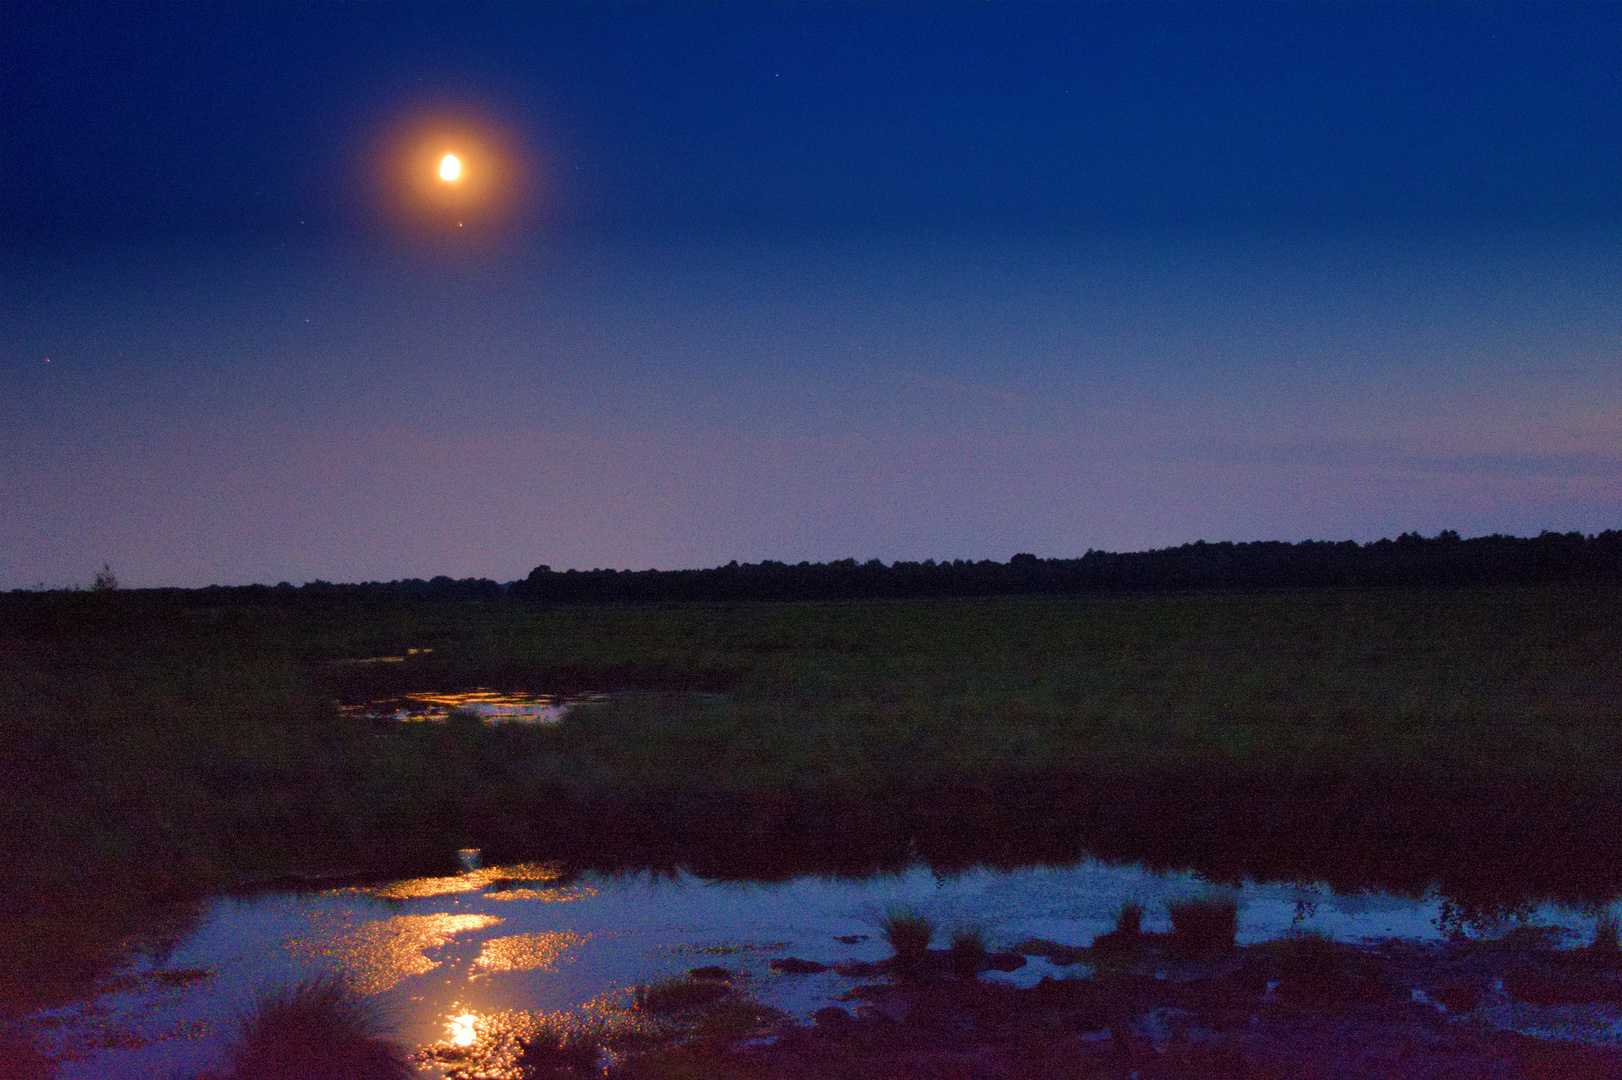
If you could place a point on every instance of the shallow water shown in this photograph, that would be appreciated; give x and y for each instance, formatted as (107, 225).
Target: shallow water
(469, 954)
(492, 706)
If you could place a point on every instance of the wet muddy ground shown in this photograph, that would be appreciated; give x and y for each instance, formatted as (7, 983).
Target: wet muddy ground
(1387, 1010)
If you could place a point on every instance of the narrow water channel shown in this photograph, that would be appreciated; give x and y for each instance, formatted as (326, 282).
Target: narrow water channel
(460, 958)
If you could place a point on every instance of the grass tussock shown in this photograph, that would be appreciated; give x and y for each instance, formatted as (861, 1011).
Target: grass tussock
(321, 1029)
(550, 1053)
(1606, 937)
(1201, 928)
(909, 934)
(969, 951)
(694, 1041)
(678, 994)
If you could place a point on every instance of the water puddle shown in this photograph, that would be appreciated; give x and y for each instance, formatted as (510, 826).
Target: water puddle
(472, 959)
(491, 706)
(365, 660)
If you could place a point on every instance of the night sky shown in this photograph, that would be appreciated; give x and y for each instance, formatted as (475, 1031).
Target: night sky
(796, 281)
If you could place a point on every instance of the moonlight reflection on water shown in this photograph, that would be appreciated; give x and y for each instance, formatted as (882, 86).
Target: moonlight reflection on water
(491, 706)
(377, 956)
(525, 952)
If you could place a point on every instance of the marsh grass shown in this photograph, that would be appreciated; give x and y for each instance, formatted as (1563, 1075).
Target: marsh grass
(909, 934)
(555, 1051)
(969, 951)
(1202, 928)
(1129, 919)
(678, 994)
(320, 1029)
(694, 1039)
(735, 1017)
(1606, 937)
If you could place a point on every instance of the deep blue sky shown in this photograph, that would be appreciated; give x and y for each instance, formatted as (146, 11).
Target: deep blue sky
(796, 281)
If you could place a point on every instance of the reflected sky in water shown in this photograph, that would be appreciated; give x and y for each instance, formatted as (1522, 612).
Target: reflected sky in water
(469, 964)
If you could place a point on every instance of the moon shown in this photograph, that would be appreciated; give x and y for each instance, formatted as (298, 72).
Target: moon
(440, 171)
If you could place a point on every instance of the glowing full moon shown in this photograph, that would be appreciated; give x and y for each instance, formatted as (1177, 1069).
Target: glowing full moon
(450, 167)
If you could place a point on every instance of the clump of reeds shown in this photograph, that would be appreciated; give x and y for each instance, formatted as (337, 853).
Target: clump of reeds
(321, 1029)
(678, 994)
(551, 1051)
(1605, 936)
(968, 951)
(1203, 927)
(909, 934)
(1127, 937)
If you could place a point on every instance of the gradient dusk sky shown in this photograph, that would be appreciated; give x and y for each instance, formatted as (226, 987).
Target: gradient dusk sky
(796, 281)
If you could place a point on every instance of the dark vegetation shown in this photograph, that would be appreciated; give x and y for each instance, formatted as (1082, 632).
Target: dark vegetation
(320, 1029)
(566, 1053)
(909, 934)
(156, 746)
(1409, 561)
(680, 993)
(1202, 928)
(968, 951)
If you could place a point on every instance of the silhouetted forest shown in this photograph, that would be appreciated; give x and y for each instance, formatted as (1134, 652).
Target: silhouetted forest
(1410, 560)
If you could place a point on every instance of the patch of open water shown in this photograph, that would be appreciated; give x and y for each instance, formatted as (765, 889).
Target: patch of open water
(459, 955)
(492, 706)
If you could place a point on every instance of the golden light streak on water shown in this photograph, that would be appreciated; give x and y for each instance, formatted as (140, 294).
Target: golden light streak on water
(491, 706)
(377, 956)
(471, 881)
(525, 952)
(550, 896)
(496, 1038)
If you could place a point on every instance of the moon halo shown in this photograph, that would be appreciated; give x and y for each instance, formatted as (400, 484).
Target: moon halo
(439, 169)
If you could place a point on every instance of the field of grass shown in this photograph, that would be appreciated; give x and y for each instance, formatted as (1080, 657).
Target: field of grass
(151, 745)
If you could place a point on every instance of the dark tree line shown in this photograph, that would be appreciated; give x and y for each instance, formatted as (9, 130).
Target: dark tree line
(1410, 560)
(439, 588)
